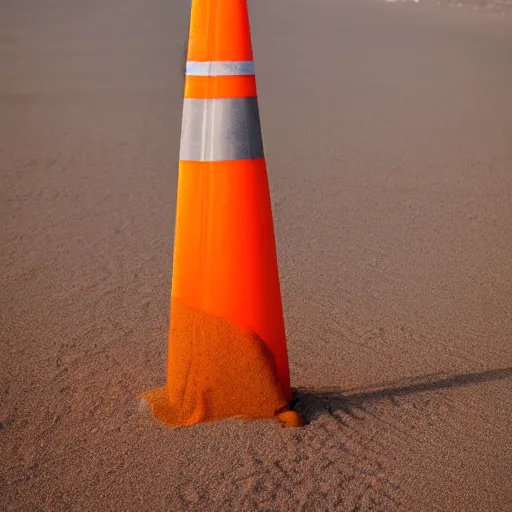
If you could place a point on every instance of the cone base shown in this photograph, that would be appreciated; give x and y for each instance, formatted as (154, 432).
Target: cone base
(217, 370)
(162, 411)
(291, 419)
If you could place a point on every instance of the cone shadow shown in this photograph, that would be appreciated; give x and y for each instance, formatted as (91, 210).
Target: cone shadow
(313, 403)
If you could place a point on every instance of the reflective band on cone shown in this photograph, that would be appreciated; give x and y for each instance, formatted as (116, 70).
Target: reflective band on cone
(214, 130)
(220, 68)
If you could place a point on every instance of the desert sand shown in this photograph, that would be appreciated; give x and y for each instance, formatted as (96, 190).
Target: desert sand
(388, 136)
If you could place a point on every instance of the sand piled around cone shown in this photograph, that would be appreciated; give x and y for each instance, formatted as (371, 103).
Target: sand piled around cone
(216, 370)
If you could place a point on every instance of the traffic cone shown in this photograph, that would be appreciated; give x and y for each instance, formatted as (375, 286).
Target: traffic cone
(227, 346)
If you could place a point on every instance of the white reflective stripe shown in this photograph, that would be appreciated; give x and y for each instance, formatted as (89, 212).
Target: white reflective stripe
(220, 68)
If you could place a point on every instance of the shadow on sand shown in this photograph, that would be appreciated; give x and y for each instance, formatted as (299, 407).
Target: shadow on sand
(312, 403)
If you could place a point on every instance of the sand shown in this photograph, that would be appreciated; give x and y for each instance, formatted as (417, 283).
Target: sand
(493, 7)
(387, 130)
(216, 371)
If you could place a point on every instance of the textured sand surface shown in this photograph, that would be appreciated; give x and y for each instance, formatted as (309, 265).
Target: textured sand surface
(388, 135)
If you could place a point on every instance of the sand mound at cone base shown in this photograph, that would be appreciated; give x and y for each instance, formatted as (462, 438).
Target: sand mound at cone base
(216, 370)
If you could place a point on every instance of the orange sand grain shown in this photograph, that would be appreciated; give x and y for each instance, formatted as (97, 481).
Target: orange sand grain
(216, 370)
(291, 419)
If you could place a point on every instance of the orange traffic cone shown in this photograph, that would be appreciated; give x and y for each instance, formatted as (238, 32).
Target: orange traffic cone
(227, 345)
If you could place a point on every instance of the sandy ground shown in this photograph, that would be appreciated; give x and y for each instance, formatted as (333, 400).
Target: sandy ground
(388, 134)
(493, 7)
